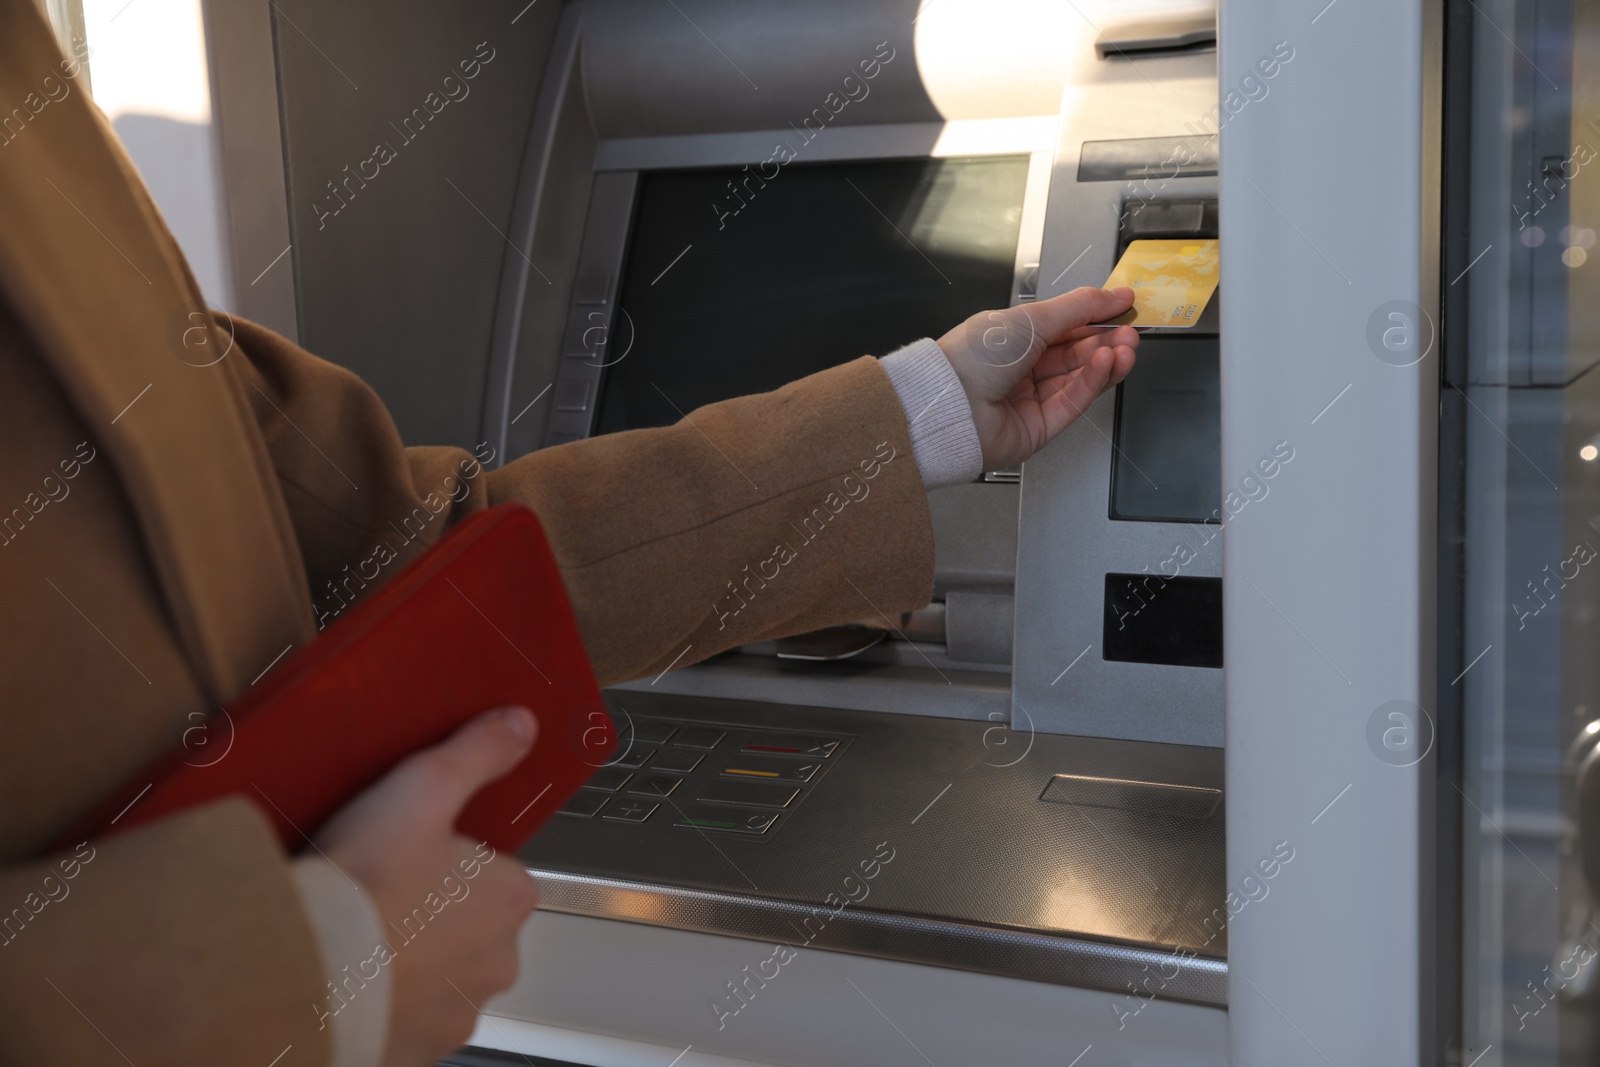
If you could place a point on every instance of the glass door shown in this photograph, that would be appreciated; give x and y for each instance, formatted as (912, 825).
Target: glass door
(1519, 677)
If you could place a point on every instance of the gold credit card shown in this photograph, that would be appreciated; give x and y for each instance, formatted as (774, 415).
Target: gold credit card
(1172, 282)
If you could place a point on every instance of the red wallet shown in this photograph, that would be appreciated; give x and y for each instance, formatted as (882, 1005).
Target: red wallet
(478, 621)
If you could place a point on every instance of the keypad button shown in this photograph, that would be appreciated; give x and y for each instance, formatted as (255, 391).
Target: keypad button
(652, 731)
(655, 785)
(608, 779)
(704, 737)
(677, 761)
(633, 758)
(584, 804)
(750, 794)
(726, 820)
(626, 809)
(792, 745)
(772, 769)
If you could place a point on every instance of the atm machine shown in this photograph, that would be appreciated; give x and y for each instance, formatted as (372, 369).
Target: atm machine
(990, 832)
(1022, 782)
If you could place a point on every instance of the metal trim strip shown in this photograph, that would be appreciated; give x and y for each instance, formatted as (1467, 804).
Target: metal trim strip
(560, 69)
(1030, 955)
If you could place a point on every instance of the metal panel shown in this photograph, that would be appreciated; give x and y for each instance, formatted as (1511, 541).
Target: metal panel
(1026, 954)
(961, 137)
(516, 268)
(1085, 892)
(242, 61)
(1067, 542)
(723, 65)
(1330, 592)
(648, 990)
(897, 677)
(586, 348)
(402, 172)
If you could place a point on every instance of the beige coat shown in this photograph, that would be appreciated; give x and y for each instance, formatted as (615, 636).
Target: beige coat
(170, 524)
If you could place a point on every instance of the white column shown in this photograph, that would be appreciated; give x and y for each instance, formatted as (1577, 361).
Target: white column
(1328, 257)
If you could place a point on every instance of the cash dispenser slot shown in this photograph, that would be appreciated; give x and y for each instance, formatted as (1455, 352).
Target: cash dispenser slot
(1154, 619)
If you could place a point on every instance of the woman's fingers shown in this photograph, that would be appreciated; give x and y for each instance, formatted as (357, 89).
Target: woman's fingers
(1064, 397)
(1076, 351)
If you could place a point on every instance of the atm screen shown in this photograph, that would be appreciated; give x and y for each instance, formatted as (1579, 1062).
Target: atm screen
(733, 285)
(1167, 464)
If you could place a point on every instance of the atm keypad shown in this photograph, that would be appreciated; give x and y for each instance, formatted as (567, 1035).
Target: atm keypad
(720, 778)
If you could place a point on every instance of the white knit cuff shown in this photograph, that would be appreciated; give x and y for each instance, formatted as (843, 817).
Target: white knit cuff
(944, 440)
(348, 933)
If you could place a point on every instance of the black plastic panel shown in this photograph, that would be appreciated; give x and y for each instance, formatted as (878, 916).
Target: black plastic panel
(1167, 463)
(1150, 618)
(740, 280)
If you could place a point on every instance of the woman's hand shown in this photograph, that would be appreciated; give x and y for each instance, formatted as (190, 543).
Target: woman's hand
(1032, 369)
(398, 840)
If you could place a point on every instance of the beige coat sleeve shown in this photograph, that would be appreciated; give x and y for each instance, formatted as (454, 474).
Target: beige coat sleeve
(752, 518)
(755, 517)
(177, 579)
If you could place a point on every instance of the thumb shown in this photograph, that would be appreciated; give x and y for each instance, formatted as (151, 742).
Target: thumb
(479, 752)
(1056, 318)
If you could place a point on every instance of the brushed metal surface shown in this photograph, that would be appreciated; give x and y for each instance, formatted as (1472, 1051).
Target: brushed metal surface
(651, 71)
(1066, 540)
(249, 122)
(1026, 954)
(517, 267)
(893, 677)
(984, 876)
(401, 286)
(585, 349)
(623, 994)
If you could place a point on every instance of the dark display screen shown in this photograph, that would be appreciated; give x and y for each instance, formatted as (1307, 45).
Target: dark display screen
(736, 285)
(1150, 618)
(1167, 463)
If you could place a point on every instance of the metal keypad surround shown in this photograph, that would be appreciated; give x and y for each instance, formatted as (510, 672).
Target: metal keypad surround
(1095, 890)
(709, 777)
